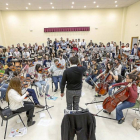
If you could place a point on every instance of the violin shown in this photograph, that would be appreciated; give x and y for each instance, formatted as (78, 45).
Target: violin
(43, 71)
(60, 66)
(102, 88)
(31, 65)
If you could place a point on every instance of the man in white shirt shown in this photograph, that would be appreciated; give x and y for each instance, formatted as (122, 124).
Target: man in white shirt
(61, 60)
(83, 43)
(26, 54)
(79, 43)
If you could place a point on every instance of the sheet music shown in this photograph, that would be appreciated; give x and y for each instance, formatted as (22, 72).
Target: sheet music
(31, 70)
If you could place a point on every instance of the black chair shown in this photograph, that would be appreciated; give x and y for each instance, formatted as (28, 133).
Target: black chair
(33, 84)
(7, 114)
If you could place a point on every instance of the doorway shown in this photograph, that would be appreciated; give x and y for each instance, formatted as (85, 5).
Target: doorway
(133, 41)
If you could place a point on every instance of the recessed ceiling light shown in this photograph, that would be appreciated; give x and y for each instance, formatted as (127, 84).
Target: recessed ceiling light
(72, 2)
(94, 2)
(97, 6)
(7, 8)
(6, 3)
(29, 3)
(52, 7)
(51, 3)
(26, 7)
(115, 1)
(71, 6)
(39, 7)
(116, 5)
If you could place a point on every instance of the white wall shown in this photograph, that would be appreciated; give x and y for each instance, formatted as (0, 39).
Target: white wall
(2, 40)
(17, 25)
(132, 22)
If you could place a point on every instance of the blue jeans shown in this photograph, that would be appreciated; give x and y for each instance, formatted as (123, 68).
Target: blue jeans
(93, 77)
(3, 90)
(39, 85)
(57, 79)
(120, 107)
(110, 91)
(33, 94)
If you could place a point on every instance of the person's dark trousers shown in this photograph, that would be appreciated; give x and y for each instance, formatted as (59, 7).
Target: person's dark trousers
(33, 94)
(113, 55)
(73, 99)
(3, 90)
(28, 108)
(57, 79)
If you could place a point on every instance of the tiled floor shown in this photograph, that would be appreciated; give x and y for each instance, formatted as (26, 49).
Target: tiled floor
(106, 129)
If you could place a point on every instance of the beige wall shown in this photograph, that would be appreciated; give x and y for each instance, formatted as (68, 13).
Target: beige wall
(2, 40)
(132, 22)
(17, 25)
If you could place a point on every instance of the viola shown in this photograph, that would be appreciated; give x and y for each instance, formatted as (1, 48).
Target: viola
(102, 87)
(60, 66)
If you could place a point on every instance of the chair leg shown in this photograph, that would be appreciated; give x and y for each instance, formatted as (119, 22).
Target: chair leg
(21, 120)
(37, 92)
(126, 114)
(52, 86)
(5, 129)
(2, 122)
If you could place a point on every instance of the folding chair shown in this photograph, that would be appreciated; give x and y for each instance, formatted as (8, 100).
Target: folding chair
(7, 114)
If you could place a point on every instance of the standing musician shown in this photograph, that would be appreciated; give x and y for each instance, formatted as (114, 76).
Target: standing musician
(134, 51)
(15, 98)
(30, 91)
(73, 77)
(130, 102)
(40, 80)
(57, 71)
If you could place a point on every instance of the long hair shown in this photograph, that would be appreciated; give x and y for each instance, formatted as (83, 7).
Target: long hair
(14, 84)
(37, 67)
(107, 69)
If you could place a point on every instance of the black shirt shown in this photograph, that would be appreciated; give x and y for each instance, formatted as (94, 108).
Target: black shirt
(8, 71)
(73, 76)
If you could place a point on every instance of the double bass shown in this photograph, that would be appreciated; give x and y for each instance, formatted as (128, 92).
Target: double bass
(102, 88)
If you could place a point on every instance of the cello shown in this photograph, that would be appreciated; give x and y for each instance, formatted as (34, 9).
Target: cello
(102, 88)
(122, 94)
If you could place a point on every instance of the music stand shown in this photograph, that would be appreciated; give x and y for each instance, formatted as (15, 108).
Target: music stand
(46, 107)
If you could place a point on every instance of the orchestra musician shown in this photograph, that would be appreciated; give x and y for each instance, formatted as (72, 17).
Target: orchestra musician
(130, 102)
(15, 98)
(56, 73)
(16, 54)
(9, 71)
(30, 91)
(26, 54)
(40, 78)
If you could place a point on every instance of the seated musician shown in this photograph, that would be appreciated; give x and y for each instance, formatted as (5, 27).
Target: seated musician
(15, 98)
(91, 80)
(130, 102)
(16, 54)
(126, 49)
(26, 54)
(2, 56)
(8, 55)
(134, 51)
(57, 73)
(30, 91)
(118, 68)
(40, 81)
(117, 78)
(3, 87)
(62, 60)
(47, 62)
(96, 49)
(9, 71)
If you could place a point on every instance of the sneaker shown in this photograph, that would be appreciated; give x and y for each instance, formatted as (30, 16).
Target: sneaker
(47, 95)
(121, 121)
(55, 90)
(41, 95)
(39, 106)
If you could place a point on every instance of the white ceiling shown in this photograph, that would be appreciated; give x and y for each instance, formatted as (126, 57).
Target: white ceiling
(62, 4)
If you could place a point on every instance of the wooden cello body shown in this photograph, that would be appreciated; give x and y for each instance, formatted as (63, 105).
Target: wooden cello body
(110, 103)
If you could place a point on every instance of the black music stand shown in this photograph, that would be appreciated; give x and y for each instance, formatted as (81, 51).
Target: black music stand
(46, 107)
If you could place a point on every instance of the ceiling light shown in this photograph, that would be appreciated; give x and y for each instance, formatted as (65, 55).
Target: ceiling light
(116, 5)
(51, 3)
(97, 6)
(52, 7)
(115, 1)
(7, 8)
(84, 6)
(72, 2)
(6, 3)
(94, 2)
(39, 7)
(26, 7)
(29, 3)
(71, 6)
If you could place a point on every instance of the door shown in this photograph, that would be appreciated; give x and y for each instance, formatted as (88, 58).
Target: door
(133, 41)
